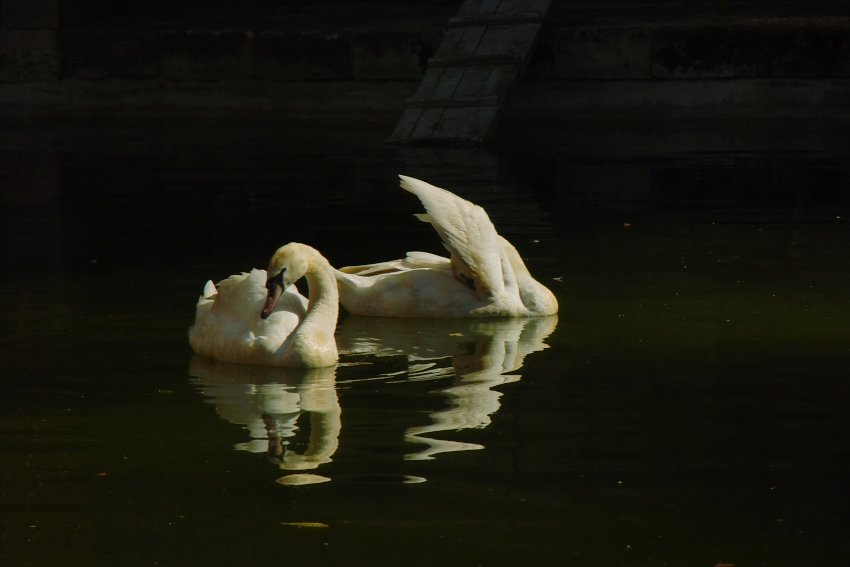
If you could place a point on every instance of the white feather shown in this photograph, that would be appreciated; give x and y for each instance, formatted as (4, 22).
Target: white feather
(484, 275)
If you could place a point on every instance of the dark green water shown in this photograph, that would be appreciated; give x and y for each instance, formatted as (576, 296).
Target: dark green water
(688, 406)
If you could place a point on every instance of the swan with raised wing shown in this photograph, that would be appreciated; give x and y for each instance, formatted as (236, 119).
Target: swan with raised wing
(484, 275)
(261, 318)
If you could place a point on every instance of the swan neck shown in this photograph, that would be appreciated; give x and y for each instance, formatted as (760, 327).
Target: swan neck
(323, 296)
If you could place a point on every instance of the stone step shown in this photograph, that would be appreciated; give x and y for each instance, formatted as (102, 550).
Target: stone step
(483, 54)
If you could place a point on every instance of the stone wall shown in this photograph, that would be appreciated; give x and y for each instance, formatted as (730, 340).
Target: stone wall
(615, 58)
(309, 61)
(744, 66)
(29, 48)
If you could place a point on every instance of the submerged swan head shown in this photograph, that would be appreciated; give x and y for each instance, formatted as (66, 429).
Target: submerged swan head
(287, 265)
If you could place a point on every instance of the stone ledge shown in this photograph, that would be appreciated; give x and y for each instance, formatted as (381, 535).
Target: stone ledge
(102, 53)
(28, 55)
(127, 97)
(737, 99)
(215, 55)
(778, 47)
(29, 14)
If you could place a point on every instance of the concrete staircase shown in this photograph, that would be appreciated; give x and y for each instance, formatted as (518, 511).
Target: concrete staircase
(485, 50)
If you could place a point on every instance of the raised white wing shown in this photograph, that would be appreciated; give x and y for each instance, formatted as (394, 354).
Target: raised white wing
(467, 233)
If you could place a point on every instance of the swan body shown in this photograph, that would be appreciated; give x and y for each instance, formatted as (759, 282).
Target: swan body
(484, 275)
(260, 318)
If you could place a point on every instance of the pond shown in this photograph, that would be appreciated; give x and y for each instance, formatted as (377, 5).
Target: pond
(687, 406)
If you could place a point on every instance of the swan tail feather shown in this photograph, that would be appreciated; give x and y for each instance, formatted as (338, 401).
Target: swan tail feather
(408, 183)
(209, 290)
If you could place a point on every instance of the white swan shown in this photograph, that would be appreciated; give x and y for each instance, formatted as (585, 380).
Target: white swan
(483, 277)
(258, 318)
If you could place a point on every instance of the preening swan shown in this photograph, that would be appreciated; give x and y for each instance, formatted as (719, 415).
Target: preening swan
(260, 318)
(483, 277)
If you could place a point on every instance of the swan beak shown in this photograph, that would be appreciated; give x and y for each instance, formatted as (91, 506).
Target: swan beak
(275, 291)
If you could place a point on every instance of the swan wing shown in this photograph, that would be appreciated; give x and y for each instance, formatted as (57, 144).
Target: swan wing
(228, 324)
(426, 260)
(467, 233)
(413, 261)
(374, 269)
(239, 296)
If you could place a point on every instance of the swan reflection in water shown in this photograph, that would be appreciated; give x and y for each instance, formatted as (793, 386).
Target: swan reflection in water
(465, 358)
(483, 354)
(268, 402)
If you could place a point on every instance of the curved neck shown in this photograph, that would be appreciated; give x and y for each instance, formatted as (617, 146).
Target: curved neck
(323, 294)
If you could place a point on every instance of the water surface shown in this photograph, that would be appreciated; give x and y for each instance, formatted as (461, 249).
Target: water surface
(688, 405)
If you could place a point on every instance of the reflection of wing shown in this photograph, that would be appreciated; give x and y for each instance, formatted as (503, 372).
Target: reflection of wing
(500, 347)
(268, 401)
(475, 354)
(470, 405)
(467, 233)
(439, 338)
(509, 344)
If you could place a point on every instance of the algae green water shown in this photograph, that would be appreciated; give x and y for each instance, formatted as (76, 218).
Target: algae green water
(687, 406)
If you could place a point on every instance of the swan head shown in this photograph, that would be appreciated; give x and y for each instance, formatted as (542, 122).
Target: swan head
(288, 265)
